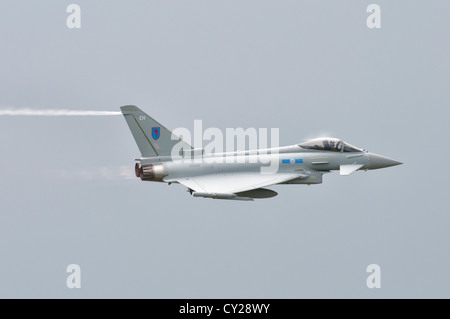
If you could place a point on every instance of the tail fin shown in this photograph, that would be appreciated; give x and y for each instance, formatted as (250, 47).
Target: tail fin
(151, 137)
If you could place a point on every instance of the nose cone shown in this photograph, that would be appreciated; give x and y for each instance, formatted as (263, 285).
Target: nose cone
(377, 161)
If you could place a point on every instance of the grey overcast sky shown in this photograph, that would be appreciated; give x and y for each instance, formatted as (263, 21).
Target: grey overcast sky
(306, 67)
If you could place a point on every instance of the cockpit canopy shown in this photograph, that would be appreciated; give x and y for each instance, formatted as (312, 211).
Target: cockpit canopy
(329, 144)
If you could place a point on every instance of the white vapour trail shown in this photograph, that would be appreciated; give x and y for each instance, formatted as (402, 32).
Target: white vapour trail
(54, 112)
(95, 173)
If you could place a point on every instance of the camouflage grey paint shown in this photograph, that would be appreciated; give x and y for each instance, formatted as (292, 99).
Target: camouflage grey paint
(306, 163)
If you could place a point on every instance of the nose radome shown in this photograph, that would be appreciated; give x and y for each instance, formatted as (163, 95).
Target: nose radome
(378, 161)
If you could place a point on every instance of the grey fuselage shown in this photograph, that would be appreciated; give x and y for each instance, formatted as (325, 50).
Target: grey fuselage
(310, 164)
(240, 175)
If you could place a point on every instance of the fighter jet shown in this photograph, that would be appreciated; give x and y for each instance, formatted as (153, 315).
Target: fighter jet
(242, 178)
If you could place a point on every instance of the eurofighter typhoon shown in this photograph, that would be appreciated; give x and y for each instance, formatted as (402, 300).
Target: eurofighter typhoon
(240, 175)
